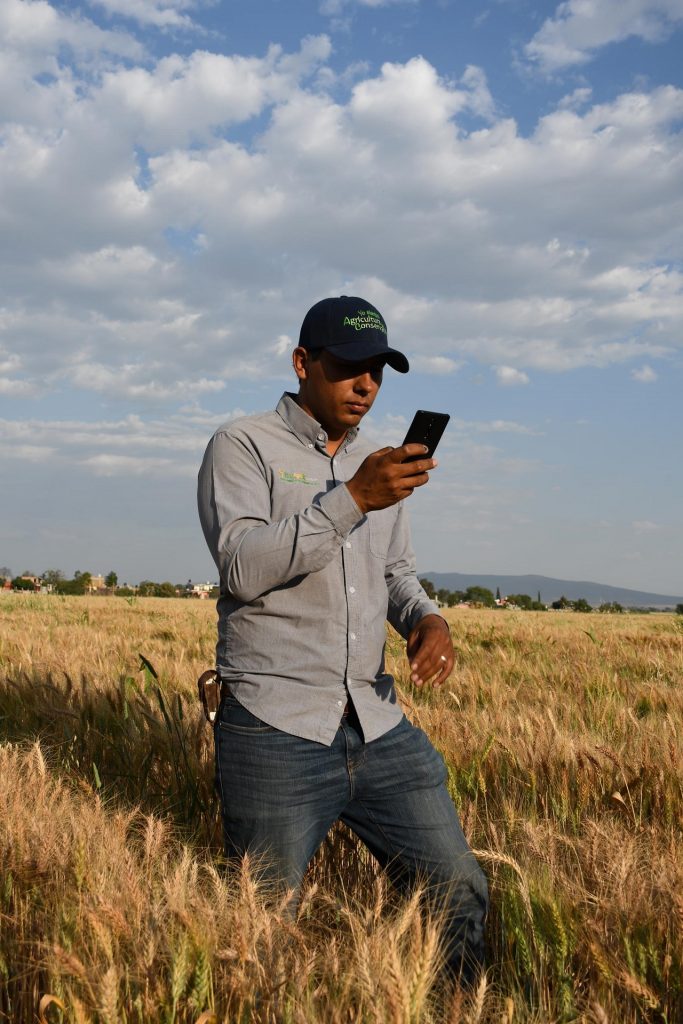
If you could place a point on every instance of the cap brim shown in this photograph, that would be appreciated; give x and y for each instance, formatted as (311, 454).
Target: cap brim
(358, 353)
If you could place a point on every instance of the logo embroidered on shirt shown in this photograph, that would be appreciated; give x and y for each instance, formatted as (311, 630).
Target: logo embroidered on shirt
(296, 478)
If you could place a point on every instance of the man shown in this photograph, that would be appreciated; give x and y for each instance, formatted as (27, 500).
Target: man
(308, 529)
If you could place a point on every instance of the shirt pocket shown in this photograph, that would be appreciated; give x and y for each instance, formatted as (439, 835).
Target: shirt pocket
(380, 528)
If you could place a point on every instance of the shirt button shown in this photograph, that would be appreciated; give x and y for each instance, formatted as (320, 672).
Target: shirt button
(321, 437)
(310, 446)
(348, 543)
(352, 590)
(339, 703)
(352, 636)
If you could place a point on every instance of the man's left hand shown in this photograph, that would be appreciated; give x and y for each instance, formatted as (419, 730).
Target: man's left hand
(430, 651)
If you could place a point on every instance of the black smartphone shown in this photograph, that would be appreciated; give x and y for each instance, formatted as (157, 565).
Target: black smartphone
(426, 428)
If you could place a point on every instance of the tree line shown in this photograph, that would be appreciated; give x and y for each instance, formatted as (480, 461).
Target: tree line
(81, 583)
(475, 595)
(483, 596)
(56, 580)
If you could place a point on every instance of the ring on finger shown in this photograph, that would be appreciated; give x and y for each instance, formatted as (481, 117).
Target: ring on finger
(444, 658)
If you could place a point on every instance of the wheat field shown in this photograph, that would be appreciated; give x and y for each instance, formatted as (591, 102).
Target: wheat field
(562, 736)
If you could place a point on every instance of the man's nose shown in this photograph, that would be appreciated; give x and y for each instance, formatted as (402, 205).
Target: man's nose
(365, 382)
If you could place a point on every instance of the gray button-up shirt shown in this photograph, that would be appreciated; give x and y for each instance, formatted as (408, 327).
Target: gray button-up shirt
(307, 580)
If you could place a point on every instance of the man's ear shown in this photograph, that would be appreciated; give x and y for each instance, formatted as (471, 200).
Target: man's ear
(300, 359)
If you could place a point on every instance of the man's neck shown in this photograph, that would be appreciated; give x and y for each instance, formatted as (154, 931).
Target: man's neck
(333, 444)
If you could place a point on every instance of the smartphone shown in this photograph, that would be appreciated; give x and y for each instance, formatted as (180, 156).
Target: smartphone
(426, 428)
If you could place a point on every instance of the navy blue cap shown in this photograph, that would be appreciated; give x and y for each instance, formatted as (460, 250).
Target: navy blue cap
(351, 329)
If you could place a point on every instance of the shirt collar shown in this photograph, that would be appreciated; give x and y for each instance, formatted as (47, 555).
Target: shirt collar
(308, 430)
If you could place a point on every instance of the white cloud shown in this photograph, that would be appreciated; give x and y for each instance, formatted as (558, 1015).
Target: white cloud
(645, 374)
(479, 99)
(17, 388)
(336, 7)
(162, 14)
(581, 27)
(128, 446)
(433, 364)
(283, 345)
(167, 223)
(411, 97)
(576, 99)
(186, 99)
(132, 381)
(645, 526)
(503, 427)
(26, 452)
(131, 465)
(36, 28)
(109, 267)
(510, 377)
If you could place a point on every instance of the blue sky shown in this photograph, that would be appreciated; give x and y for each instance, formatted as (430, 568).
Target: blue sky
(180, 181)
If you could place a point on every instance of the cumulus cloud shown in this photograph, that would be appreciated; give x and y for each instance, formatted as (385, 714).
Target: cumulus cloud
(163, 14)
(335, 7)
(134, 382)
(434, 364)
(581, 27)
(186, 99)
(26, 452)
(644, 374)
(18, 388)
(503, 427)
(166, 223)
(509, 376)
(130, 445)
(645, 526)
(35, 30)
(131, 465)
(576, 99)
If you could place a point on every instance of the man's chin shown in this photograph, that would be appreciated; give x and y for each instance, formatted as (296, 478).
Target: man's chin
(352, 419)
(347, 419)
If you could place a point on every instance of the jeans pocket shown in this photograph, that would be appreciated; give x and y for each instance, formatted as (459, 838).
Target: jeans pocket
(235, 718)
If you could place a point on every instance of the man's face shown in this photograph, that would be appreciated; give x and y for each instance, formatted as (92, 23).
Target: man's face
(335, 393)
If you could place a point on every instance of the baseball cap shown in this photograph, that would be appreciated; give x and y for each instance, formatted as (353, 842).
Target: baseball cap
(351, 329)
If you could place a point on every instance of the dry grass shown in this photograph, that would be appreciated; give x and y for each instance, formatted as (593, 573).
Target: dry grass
(562, 733)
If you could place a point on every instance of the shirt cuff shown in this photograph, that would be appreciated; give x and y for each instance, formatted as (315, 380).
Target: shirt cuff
(418, 613)
(340, 509)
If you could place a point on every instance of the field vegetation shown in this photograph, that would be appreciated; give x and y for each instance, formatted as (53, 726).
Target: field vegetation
(563, 736)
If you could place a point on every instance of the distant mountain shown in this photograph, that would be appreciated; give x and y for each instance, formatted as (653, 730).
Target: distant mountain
(552, 589)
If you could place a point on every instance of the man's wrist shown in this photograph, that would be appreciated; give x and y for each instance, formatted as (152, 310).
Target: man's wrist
(355, 494)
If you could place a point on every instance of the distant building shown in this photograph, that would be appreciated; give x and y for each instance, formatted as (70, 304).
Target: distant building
(96, 582)
(200, 590)
(35, 580)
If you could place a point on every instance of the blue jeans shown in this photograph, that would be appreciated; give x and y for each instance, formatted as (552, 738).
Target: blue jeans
(281, 794)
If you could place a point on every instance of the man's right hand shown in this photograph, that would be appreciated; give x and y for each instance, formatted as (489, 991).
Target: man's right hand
(384, 477)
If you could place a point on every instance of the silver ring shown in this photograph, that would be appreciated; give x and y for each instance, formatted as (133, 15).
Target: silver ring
(444, 658)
